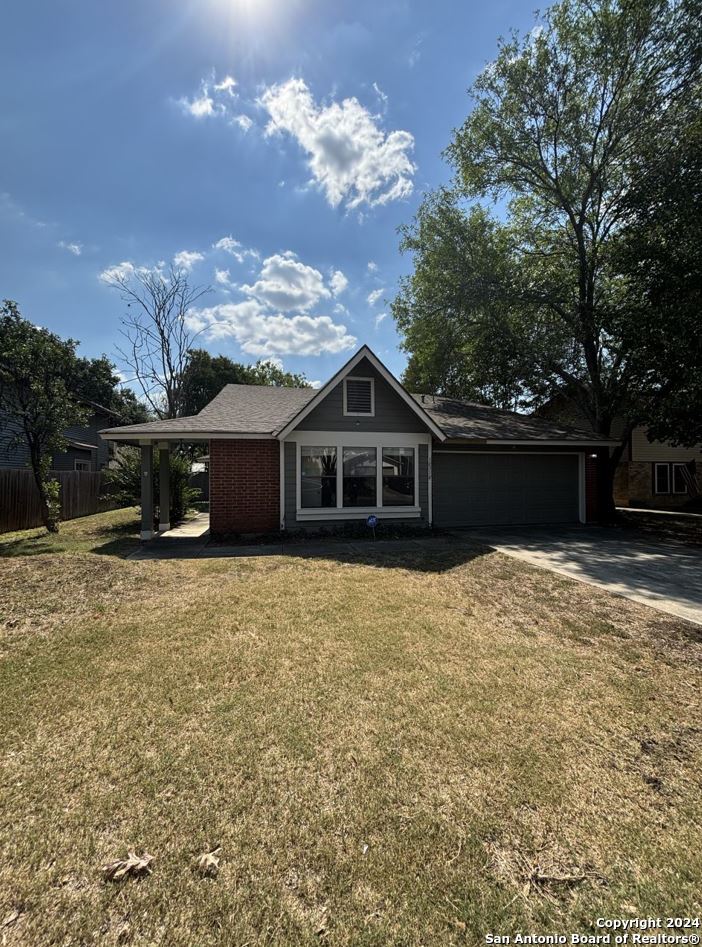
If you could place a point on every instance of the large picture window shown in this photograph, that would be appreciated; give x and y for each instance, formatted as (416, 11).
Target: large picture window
(398, 476)
(360, 476)
(318, 477)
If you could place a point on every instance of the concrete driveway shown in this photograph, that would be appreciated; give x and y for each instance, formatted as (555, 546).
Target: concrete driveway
(666, 576)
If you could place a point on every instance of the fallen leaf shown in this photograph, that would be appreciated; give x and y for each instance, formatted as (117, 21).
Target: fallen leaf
(11, 918)
(134, 866)
(208, 863)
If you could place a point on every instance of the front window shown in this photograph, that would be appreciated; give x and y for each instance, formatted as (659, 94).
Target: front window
(82, 465)
(398, 476)
(318, 477)
(360, 476)
(662, 478)
(679, 484)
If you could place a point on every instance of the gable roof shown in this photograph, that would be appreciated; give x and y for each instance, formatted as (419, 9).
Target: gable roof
(467, 420)
(321, 394)
(262, 411)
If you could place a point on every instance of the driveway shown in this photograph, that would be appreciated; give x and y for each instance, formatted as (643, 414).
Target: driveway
(666, 576)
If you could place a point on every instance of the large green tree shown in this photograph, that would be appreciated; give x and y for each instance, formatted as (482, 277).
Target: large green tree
(205, 375)
(519, 291)
(36, 371)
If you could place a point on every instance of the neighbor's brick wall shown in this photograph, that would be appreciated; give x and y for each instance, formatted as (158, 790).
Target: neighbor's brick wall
(244, 486)
(641, 488)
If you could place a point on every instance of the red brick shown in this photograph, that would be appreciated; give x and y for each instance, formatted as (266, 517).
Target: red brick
(244, 486)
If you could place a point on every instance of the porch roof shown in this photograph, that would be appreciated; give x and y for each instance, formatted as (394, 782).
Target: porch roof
(238, 410)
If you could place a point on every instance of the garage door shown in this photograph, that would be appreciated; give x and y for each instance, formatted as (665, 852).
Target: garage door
(499, 489)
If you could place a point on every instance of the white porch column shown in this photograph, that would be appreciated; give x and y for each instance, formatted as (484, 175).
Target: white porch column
(147, 490)
(164, 478)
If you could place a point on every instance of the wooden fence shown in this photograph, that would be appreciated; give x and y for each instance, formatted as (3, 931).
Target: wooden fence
(81, 494)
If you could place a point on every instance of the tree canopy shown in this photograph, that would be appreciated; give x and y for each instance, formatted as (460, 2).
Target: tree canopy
(205, 375)
(527, 279)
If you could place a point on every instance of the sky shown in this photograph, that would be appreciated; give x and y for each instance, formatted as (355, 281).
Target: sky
(271, 148)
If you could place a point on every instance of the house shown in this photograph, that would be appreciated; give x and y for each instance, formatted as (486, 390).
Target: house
(85, 450)
(653, 474)
(300, 458)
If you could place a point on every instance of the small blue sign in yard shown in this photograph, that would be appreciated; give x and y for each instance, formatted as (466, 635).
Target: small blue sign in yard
(372, 521)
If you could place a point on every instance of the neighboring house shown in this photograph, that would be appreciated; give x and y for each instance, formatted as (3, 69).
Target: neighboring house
(651, 473)
(85, 450)
(290, 458)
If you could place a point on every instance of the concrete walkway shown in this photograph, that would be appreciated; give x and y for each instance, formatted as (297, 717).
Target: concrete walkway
(666, 576)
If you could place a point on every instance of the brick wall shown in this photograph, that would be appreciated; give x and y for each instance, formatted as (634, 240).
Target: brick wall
(244, 486)
(640, 474)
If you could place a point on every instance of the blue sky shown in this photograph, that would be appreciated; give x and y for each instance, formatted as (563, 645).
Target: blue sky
(273, 147)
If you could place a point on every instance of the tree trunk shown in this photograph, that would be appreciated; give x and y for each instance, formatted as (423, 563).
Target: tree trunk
(40, 471)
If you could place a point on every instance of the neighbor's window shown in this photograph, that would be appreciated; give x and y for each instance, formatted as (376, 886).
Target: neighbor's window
(398, 476)
(679, 485)
(360, 476)
(81, 465)
(662, 478)
(359, 396)
(317, 477)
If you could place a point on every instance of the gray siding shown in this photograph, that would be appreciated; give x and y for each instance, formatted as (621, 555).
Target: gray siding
(13, 455)
(391, 412)
(291, 522)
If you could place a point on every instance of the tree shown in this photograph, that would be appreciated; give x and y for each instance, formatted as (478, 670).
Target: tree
(205, 375)
(157, 335)
(36, 370)
(95, 382)
(660, 256)
(532, 304)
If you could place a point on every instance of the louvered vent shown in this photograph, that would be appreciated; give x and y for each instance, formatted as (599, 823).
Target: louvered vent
(359, 396)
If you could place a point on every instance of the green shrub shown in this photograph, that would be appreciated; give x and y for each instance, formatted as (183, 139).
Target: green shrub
(123, 482)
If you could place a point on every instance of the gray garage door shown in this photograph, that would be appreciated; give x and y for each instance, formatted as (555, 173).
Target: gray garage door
(500, 489)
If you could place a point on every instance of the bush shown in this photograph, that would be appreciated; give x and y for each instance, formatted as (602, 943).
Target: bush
(124, 483)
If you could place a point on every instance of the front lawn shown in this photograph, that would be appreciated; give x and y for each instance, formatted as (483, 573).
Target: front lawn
(386, 750)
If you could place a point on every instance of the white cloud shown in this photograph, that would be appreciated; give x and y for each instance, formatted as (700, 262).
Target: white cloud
(235, 248)
(315, 384)
(228, 84)
(382, 96)
(243, 121)
(350, 157)
(75, 248)
(286, 283)
(199, 107)
(338, 282)
(274, 361)
(379, 318)
(120, 271)
(222, 277)
(265, 334)
(374, 296)
(186, 259)
(372, 266)
(211, 99)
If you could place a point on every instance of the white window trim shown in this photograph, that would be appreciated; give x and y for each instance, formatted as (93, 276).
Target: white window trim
(355, 439)
(360, 414)
(80, 469)
(657, 492)
(674, 492)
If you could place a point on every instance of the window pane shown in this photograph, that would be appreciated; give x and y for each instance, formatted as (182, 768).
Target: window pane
(662, 478)
(679, 485)
(317, 477)
(360, 467)
(398, 476)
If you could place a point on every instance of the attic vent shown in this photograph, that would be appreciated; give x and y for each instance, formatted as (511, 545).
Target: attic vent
(359, 396)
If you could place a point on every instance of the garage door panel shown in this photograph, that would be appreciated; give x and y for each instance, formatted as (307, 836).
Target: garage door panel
(498, 489)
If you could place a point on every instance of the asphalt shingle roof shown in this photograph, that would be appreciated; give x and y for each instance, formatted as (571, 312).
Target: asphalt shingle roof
(465, 419)
(263, 409)
(237, 409)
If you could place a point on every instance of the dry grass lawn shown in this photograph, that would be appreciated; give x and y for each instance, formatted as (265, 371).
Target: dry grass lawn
(386, 750)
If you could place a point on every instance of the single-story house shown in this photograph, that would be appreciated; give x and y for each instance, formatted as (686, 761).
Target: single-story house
(291, 458)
